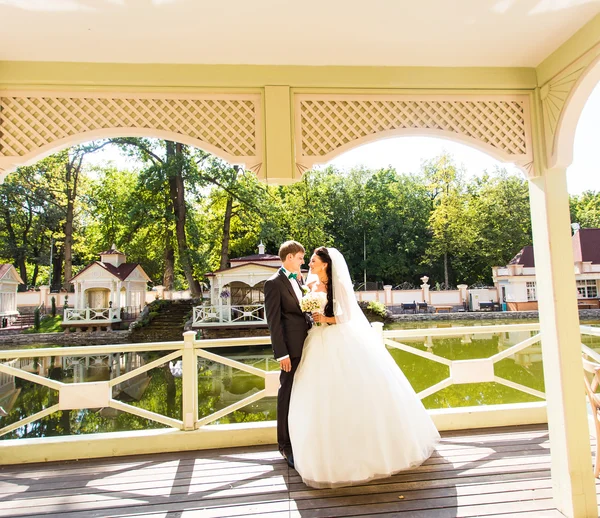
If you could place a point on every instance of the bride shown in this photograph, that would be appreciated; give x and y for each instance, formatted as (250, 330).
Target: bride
(353, 414)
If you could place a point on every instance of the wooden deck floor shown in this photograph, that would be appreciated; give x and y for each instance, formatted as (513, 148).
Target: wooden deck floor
(499, 472)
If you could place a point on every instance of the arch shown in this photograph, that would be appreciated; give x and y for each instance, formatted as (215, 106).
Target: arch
(524, 164)
(33, 126)
(9, 163)
(327, 125)
(561, 154)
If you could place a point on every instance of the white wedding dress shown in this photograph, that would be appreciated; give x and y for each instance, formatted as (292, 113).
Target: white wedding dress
(353, 414)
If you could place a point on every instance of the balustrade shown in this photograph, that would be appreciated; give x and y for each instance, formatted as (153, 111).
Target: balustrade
(99, 394)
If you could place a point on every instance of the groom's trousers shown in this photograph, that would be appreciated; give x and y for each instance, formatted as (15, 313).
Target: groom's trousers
(286, 379)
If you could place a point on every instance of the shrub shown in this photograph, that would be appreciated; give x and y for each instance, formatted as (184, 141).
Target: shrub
(378, 308)
(53, 300)
(374, 311)
(36, 319)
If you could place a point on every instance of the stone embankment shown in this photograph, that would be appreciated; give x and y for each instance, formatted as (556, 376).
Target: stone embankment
(584, 314)
(18, 341)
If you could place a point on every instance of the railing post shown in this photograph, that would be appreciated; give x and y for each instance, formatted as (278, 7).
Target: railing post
(378, 327)
(189, 381)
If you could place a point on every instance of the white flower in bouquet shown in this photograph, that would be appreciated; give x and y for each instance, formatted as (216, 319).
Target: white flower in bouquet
(313, 301)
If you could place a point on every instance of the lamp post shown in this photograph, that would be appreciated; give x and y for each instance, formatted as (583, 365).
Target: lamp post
(365, 258)
(51, 249)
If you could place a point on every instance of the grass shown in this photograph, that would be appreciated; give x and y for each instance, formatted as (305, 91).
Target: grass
(49, 324)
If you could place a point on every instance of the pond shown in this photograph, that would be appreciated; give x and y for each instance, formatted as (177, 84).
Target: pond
(219, 386)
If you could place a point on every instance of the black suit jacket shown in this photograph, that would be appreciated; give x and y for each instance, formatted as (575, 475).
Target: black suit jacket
(287, 323)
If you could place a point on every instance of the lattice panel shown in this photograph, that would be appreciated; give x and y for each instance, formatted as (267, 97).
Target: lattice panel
(228, 124)
(329, 123)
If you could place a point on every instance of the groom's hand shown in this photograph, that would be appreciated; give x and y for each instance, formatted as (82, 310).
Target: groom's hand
(285, 365)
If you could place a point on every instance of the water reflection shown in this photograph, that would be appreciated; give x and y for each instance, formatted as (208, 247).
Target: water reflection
(160, 390)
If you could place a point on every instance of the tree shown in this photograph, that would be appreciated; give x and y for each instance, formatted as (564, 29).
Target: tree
(585, 209)
(447, 222)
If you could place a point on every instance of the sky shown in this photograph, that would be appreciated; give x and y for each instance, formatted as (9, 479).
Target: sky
(406, 154)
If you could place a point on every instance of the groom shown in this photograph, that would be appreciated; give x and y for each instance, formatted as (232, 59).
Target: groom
(288, 326)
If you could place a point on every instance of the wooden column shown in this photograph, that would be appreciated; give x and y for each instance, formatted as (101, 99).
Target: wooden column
(572, 478)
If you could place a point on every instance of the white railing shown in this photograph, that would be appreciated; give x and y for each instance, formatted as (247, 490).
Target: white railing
(95, 316)
(252, 314)
(99, 394)
(7, 381)
(478, 370)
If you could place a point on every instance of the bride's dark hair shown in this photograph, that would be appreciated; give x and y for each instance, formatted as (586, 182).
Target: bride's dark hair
(323, 254)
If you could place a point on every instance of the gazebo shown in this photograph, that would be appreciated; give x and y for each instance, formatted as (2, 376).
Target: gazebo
(296, 85)
(237, 292)
(105, 290)
(9, 283)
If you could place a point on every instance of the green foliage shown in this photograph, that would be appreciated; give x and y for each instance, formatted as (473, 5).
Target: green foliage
(48, 324)
(585, 209)
(427, 223)
(378, 308)
(53, 310)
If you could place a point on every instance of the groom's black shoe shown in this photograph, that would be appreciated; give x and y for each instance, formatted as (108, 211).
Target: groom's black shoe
(289, 457)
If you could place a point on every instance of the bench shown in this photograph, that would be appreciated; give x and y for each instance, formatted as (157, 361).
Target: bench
(422, 306)
(409, 306)
(439, 309)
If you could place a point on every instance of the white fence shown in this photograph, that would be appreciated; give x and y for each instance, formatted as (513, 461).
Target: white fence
(98, 394)
(92, 316)
(406, 296)
(447, 298)
(205, 316)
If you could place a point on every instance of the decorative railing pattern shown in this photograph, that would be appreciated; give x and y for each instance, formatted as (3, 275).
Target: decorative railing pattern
(217, 315)
(479, 370)
(91, 315)
(99, 394)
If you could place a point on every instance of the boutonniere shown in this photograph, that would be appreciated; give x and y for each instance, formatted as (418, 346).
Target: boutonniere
(304, 289)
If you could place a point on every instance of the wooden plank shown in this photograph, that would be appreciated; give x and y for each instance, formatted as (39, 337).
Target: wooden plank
(511, 438)
(534, 508)
(260, 485)
(157, 468)
(479, 473)
(215, 457)
(207, 491)
(268, 474)
(448, 509)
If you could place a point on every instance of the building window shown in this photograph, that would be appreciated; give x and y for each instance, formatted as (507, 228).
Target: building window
(531, 294)
(587, 289)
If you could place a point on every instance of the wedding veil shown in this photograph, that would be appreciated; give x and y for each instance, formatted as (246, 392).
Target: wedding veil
(345, 306)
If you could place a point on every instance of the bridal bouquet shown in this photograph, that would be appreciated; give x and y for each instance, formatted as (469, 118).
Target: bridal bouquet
(313, 301)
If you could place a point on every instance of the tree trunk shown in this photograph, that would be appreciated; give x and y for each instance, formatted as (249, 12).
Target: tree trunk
(169, 273)
(226, 233)
(57, 269)
(446, 270)
(68, 246)
(36, 270)
(18, 252)
(177, 194)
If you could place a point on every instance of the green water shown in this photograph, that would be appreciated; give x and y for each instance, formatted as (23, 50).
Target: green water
(220, 386)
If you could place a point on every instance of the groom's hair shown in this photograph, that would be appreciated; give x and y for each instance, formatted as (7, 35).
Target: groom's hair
(290, 247)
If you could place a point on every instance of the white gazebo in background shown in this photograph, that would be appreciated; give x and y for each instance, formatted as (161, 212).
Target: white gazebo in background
(237, 292)
(105, 290)
(9, 282)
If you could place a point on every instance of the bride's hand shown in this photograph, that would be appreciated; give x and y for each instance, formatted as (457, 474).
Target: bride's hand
(319, 318)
